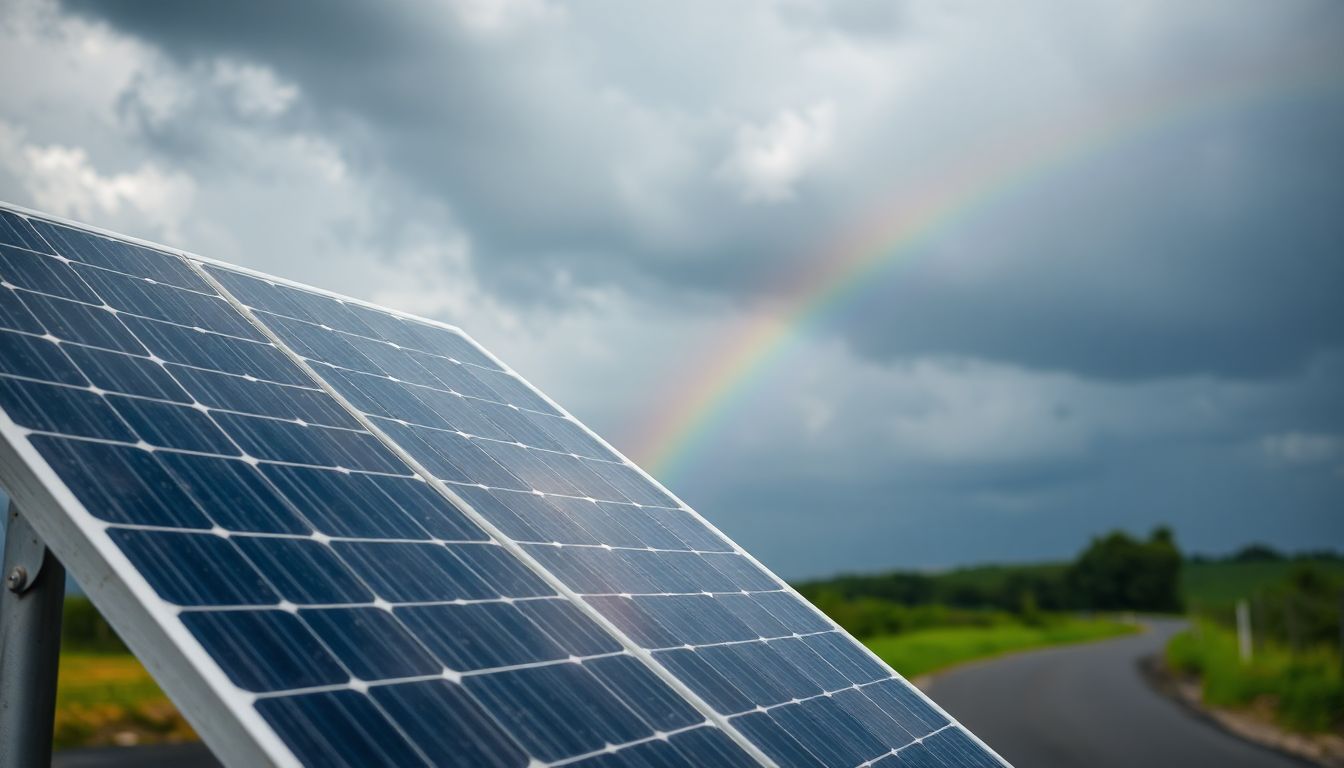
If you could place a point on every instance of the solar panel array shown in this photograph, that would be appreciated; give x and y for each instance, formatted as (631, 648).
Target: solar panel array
(383, 547)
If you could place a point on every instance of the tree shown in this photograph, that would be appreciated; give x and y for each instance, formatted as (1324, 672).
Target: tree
(1118, 573)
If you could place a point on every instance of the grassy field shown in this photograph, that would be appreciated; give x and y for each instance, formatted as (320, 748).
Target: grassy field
(105, 699)
(928, 650)
(1217, 584)
(1304, 690)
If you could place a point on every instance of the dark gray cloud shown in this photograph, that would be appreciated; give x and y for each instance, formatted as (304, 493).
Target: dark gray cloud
(602, 190)
(590, 143)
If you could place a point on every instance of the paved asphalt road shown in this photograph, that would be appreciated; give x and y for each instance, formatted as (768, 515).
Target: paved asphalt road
(1088, 705)
(1083, 706)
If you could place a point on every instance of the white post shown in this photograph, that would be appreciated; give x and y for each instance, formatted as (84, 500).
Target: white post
(1244, 630)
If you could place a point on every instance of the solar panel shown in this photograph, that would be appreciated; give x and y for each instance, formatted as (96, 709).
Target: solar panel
(341, 535)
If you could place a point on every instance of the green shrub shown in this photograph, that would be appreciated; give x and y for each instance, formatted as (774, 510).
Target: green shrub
(1305, 688)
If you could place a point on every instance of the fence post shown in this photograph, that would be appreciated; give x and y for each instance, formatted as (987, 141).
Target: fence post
(1244, 630)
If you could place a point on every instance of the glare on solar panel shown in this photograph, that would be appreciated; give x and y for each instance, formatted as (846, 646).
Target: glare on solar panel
(338, 534)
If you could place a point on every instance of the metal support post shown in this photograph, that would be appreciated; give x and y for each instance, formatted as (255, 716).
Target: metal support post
(31, 599)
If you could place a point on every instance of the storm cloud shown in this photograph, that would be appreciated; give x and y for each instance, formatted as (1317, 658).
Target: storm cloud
(1149, 332)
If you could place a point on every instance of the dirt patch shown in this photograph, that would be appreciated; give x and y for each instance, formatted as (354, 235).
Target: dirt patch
(1254, 724)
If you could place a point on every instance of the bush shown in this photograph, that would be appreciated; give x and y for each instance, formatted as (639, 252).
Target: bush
(1306, 689)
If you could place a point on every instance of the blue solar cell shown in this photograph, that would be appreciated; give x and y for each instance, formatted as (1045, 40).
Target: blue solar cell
(512, 424)
(234, 494)
(393, 361)
(257, 293)
(462, 460)
(630, 483)
(15, 230)
(756, 684)
(955, 747)
(807, 661)
(513, 391)
(750, 613)
(172, 426)
(846, 655)
(695, 619)
(557, 711)
(901, 703)
(338, 728)
(644, 693)
(457, 377)
(574, 567)
(380, 396)
(448, 726)
(370, 643)
(710, 748)
(303, 571)
(912, 756)
(792, 612)
(147, 298)
(858, 705)
(265, 650)
(479, 635)
(262, 398)
(193, 568)
(343, 503)
(763, 659)
(597, 522)
(634, 621)
(570, 436)
(413, 573)
(82, 323)
(316, 343)
(446, 343)
(741, 573)
(15, 316)
(43, 274)
(62, 409)
(36, 358)
(427, 507)
(120, 256)
(696, 672)
(120, 484)
(215, 352)
(829, 732)
(501, 571)
(569, 627)
(776, 742)
(274, 440)
(116, 372)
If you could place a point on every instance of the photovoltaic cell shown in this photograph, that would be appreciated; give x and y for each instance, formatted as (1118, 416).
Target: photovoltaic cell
(373, 543)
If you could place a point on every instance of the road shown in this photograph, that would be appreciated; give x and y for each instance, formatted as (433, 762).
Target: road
(1088, 705)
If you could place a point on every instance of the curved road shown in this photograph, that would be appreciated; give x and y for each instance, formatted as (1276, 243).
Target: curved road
(1088, 705)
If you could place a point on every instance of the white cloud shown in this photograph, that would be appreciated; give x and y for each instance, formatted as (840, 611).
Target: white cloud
(769, 159)
(1302, 447)
(494, 16)
(256, 90)
(62, 180)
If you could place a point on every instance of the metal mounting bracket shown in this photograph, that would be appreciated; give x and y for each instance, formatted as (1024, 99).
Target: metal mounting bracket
(30, 644)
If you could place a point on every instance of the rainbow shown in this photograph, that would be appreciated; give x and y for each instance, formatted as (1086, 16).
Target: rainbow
(687, 414)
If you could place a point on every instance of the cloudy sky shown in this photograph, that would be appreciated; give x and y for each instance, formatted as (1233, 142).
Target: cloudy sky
(1140, 321)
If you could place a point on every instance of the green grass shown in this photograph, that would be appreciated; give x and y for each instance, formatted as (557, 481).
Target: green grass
(109, 698)
(1218, 584)
(928, 650)
(1305, 690)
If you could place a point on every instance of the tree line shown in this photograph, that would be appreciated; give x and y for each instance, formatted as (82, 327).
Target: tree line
(1116, 572)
